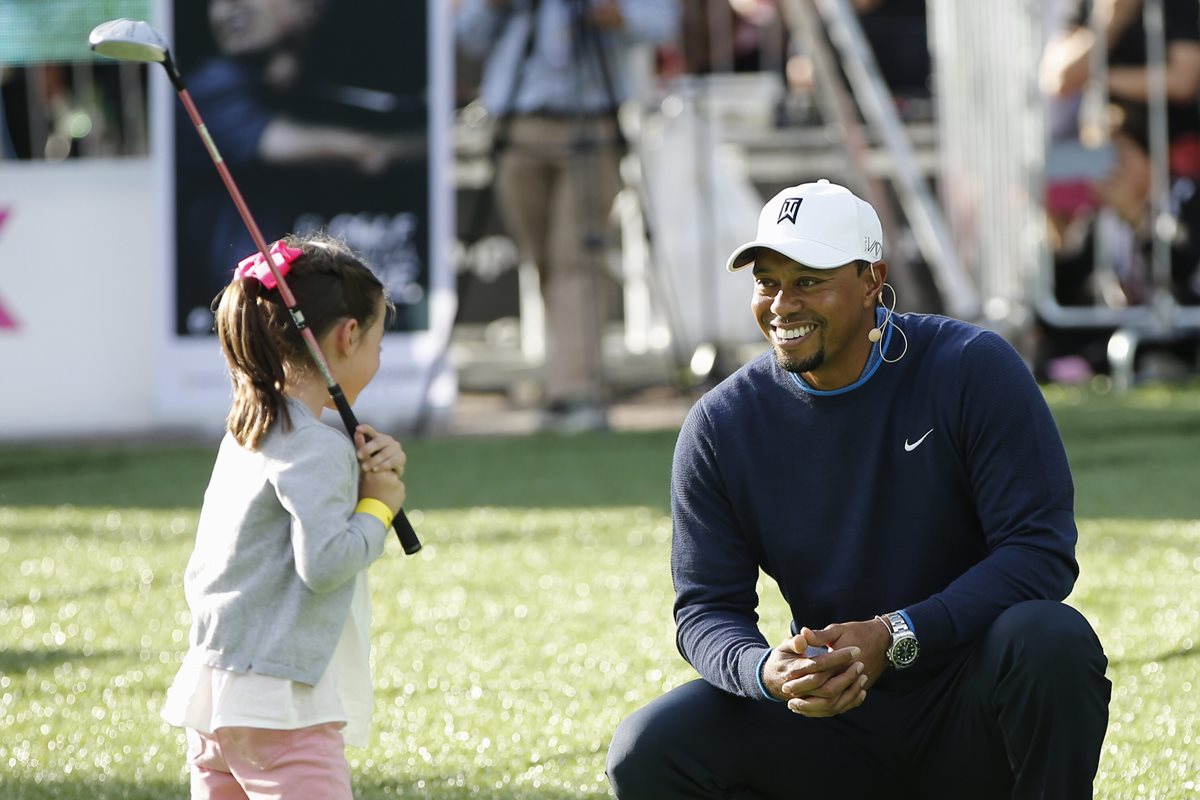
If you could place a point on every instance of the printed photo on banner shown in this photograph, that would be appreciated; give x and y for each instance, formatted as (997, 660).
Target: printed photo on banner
(320, 111)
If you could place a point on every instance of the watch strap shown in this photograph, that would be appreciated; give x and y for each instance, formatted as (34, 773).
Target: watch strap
(897, 622)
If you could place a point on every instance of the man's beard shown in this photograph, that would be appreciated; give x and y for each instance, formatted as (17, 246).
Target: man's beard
(799, 365)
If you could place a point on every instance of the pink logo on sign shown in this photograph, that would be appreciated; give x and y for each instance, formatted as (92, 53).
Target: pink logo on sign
(7, 321)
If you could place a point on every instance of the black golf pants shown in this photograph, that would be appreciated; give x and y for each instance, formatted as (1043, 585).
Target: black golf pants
(1022, 714)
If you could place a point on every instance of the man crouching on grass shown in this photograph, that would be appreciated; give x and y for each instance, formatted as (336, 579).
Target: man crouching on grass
(901, 478)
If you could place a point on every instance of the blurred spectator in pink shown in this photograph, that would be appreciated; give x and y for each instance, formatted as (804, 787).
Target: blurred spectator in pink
(1119, 175)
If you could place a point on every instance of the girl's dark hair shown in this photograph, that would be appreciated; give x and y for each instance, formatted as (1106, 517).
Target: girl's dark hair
(260, 342)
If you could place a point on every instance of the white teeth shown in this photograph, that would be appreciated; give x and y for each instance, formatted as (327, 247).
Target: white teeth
(794, 333)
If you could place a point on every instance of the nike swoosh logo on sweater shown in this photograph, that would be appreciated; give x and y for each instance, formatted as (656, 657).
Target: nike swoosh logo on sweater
(910, 447)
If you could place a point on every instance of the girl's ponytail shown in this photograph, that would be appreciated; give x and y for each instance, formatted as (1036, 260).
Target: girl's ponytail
(255, 365)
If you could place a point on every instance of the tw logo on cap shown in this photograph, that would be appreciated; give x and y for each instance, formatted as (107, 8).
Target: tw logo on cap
(789, 209)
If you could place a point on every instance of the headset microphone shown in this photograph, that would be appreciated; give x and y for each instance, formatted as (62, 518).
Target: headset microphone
(875, 334)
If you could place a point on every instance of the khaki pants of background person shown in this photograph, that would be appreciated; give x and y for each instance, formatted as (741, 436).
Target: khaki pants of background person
(555, 197)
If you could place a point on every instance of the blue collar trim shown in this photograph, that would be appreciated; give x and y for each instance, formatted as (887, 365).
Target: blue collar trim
(873, 362)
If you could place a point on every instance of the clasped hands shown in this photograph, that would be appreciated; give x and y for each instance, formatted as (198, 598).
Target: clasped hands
(835, 681)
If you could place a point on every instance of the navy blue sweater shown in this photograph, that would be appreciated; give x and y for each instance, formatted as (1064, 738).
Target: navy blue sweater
(938, 485)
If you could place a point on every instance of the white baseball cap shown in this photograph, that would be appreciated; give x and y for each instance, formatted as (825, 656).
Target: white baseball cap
(820, 225)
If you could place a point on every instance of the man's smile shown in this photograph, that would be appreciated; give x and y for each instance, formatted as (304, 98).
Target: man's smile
(792, 335)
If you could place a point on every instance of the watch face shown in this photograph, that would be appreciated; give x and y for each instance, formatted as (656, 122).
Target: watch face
(905, 652)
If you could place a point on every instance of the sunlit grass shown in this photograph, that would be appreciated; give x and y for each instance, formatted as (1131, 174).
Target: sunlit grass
(505, 653)
(537, 616)
(1140, 588)
(90, 622)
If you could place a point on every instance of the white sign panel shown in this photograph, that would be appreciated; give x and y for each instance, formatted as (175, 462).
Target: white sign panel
(78, 298)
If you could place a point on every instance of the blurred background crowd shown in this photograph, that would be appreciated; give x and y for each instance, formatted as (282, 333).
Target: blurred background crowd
(1035, 166)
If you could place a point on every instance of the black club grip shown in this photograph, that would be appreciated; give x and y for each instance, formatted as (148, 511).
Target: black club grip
(404, 529)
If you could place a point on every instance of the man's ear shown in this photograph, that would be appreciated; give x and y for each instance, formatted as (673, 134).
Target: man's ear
(875, 275)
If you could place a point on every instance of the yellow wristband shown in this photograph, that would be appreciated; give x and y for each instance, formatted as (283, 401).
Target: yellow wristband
(376, 508)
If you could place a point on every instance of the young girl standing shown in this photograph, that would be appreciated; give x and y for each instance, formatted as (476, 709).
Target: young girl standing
(277, 679)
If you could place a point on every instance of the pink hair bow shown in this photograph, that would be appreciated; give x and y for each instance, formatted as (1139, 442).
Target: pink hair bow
(255, 266)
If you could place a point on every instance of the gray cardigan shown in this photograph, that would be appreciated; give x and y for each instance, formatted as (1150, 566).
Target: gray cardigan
(278, 546)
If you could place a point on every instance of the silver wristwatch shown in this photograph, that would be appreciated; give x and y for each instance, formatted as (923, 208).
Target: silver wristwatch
(904, 649)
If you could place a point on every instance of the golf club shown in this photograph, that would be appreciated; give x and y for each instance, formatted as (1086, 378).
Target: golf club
(137, 40)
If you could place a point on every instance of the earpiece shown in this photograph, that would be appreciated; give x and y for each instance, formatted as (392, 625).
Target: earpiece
(876, 334)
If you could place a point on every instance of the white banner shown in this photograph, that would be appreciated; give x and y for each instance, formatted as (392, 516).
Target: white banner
(79, 298)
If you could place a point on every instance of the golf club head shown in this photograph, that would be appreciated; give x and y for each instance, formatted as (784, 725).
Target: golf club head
(128, 40)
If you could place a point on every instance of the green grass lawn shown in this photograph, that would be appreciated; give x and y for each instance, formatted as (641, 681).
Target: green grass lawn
(536, 617)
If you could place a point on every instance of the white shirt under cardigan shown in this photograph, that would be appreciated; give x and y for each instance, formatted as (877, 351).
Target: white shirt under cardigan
(278, 532)
(206, 698)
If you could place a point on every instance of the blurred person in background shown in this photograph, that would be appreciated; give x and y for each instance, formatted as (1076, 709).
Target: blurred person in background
(730, 34)
(1119, 177)
(554, 74)
(897, 33)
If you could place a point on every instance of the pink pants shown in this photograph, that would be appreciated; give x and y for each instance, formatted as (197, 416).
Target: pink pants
(257, 764)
